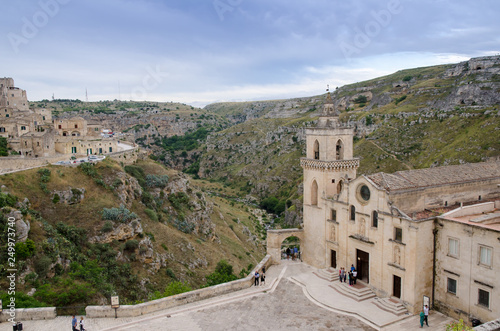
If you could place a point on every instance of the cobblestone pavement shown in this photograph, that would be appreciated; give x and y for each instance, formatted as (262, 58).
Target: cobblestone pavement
(280, 305)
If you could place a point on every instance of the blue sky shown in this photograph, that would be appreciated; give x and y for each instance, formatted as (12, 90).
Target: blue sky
(204, 51)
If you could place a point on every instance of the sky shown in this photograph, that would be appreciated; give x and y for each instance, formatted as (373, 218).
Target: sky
(204, 51)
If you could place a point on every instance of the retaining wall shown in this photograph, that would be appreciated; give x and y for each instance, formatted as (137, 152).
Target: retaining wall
(25, 314)
(177, 300)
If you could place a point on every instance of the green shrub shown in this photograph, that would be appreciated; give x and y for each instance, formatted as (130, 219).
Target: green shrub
(131, 245)
(398, 100)
(107, 227)
(56, 198)
(22, 300)
(407, 78)
(156, 181)
(361, 99)
(25, 249)
(136, 172)
(7, 200)
(176, 287)
(184, 226)
(42, 265)
(151, 214)
(4, 151)
(223, 273)
(121, 214)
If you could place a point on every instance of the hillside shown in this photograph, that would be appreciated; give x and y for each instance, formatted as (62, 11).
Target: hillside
(414, 118)
(94, 231)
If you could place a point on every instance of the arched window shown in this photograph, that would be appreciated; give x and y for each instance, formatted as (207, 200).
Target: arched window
(316, 150)
(375, 219)
(340, 185)
(353, 213)
(314, 193)
(340, 150)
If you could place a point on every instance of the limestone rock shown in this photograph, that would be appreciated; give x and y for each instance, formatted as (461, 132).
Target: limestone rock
(123, 231)
(22, 226)
(70, 196)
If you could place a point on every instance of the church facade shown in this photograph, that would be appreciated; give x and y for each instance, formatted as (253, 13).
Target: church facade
(390, 226)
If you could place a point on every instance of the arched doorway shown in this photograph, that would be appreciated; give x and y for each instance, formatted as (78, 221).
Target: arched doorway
(290, 248)
(277, 240)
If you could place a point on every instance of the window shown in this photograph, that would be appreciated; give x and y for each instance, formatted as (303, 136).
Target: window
(23, 127)
(314, 191)
(60, 126)
(353, 213)
(452, 286)
(334, 214)
(339, 150)
(375, 219)
(398, 234)
(2, 129)
(453, 247)
(76, 126)
(111, 149)
(365, 192)
(483, 298)
(485, 255)
(316, 150)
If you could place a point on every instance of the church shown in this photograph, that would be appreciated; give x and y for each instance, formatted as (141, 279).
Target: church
(427, 235)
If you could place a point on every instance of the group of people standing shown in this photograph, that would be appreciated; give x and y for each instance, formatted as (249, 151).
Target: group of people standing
(261, 276)
(350, 276)
(292, 252)
(77, 325)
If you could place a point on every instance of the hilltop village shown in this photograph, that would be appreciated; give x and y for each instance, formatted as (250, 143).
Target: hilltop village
(34, 133)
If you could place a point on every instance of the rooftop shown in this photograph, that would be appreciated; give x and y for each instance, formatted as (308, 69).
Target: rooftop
(422, 178)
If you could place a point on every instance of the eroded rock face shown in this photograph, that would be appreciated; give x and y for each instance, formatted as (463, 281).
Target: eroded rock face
(146, 252)
(121, 232)
(70, 196)
(22, 226)
(129, 189)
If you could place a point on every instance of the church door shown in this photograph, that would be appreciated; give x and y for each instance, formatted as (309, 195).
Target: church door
(333, 259)
(396, 291)
(363, 265)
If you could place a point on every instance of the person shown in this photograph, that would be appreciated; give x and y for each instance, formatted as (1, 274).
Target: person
(256, 278)
(264, 269)
(288, 253)
(81, 324)
(352, 267)
(354, 276)
(349, 277)
(422, 317)
(296, 252)
(426, 315)
(74, 323)
(342, 275)
(262, 278)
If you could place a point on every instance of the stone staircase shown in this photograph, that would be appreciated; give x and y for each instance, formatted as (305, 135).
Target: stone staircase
(391, 305)
(328, 274)
(358, 292)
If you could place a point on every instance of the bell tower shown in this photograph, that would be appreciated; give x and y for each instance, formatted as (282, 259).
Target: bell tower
(328, 162)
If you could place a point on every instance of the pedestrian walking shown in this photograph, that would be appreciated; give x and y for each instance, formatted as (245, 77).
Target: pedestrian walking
(342, 275)
(256, 278)
(262, 278)
(426, 315)
(354, 276)
(74, 323)
(422, 318)
(288, 253)
(81, 324)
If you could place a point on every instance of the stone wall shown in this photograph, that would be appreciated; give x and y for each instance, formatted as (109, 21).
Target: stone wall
(176, 300)
(12, 164)
(127, 157)
(24, 314)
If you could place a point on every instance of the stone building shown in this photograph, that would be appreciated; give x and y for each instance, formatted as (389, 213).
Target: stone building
(33, 133)
(388, 226)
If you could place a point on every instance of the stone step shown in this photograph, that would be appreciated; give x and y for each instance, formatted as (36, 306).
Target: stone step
(391, 305)
(358, 292)
(328, 274)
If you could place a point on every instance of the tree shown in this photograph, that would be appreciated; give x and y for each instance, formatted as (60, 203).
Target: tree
(223, 273)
